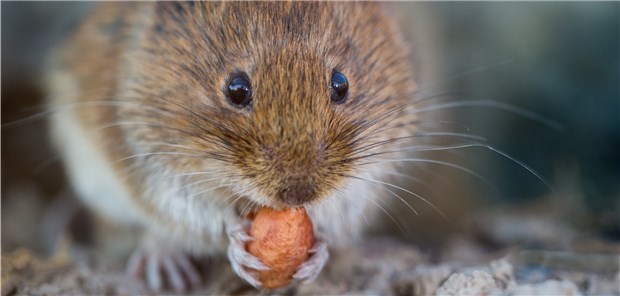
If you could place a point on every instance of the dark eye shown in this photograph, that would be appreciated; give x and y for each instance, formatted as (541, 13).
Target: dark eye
(340, 87)
(239, 90)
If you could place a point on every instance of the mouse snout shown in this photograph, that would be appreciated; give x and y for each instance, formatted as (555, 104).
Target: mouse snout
(296, 192)
(295, 171)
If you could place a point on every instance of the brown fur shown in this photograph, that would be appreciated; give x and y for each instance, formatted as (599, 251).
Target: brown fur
(164, 67)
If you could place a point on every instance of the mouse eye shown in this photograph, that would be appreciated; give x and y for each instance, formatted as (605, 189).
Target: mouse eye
(340, 87)
(239, 90)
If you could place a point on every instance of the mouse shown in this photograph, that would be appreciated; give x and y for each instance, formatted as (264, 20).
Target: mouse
(181, 118)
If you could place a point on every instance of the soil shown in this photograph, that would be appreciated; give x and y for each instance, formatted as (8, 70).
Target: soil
(380, 266)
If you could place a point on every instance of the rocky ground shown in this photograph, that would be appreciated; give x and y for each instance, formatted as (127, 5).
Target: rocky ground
(380, 266)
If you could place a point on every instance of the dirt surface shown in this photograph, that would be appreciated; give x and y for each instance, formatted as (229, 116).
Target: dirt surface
(378, 267)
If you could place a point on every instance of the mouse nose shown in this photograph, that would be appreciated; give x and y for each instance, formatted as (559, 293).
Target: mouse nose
(296, 192)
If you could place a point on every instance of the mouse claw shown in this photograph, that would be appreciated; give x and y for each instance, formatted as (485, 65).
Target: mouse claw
(158, 268)
(240, 259)
(309, 270)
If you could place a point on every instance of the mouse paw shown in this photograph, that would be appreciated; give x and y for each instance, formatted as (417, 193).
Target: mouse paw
(159, 268)
(309, 270)
(240, 259)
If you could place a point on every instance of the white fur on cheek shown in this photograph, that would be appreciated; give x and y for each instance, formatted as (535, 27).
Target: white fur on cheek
(199, 215)
(92, 176)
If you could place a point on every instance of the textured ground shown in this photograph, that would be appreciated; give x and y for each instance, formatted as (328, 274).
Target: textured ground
(379, 267)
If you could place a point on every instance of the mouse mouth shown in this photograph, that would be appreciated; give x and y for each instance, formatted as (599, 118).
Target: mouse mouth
(246, 207)
(292, 195)
(295, 192)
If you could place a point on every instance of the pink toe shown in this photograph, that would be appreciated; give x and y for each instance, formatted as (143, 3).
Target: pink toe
(135, 265)
(189, 270)
(174, 275)
(153, 273)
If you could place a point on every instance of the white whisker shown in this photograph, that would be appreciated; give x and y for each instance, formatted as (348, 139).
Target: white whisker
(423, 160)
(122, 123)
(210, 189)
(472, 71)
(417, 136)
(169, 145)
(497, 105)
(189, 174)
(421, 148)
(186, 186)
(483, 145)
(227, 198)
(390, 216)
(157, 153)
(95, 103)
(405, 190)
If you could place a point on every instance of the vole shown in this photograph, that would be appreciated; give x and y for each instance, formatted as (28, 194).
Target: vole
(181, 118)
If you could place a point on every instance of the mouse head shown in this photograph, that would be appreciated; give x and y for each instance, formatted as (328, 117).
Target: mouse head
(282, 100)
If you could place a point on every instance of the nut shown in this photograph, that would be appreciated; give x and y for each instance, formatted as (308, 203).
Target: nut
(282, 239)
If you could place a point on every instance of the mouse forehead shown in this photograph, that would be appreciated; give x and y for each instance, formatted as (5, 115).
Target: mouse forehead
(247, 30)
(290, 44)
(277, 44)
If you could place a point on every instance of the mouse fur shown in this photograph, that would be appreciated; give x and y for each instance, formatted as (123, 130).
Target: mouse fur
(150, 139)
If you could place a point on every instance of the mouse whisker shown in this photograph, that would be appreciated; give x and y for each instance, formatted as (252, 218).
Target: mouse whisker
(370, 146)
(226, 199)
(405, 190)
(354, 130)
(496, 105)
(430, 188)
(212, 154)
(425, 97)
(156, 153)
(339, 211)
(357, 205)
(205, 122)
(118, 102)
(336, 205)
(432, 174)
(421, 148)
(121, 123)
(104, 102)
(253, 206)
(419, 122)
(203, 136)
(156, 144)
(438, 162)
(475, 70)
(209, 189)
(389, 216)
(186, 186)
(456, 104)
(403, 200)
(368, 198)
(247, 207)
(232, 203)
(408, 177)
(189, 174)
(369, 123)
(468, 145)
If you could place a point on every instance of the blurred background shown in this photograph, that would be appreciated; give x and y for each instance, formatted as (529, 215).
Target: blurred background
(560, 60)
